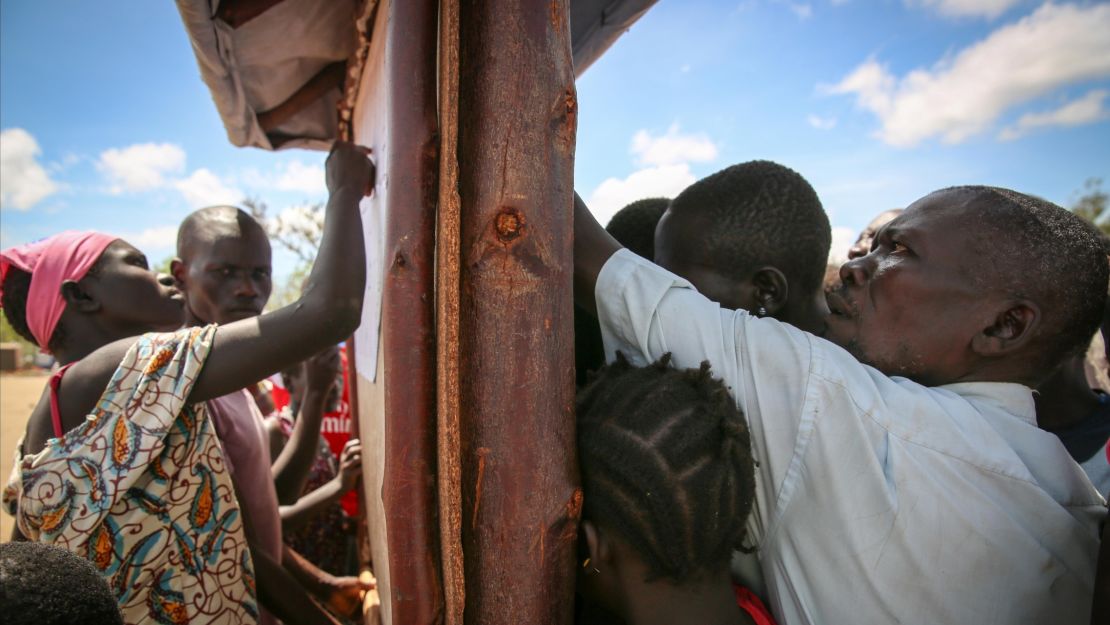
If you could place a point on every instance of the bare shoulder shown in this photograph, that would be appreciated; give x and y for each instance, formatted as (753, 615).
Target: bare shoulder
(84, 383)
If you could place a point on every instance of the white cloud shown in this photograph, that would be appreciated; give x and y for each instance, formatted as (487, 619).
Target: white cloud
(204, 188)
(158, 238)
(23, 180)
(968, 8)
(842, 239)
(802, 11)
(614, 194)
(141, 167)
(821, 123)
(296, 176)
(1085, 110)
(293, 176)
(1055, 46)
(302, 218)
(671, 148)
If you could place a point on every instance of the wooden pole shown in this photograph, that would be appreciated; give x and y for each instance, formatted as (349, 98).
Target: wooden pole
(517, 124)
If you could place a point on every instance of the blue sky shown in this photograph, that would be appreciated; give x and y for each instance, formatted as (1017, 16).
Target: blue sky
(107, 124)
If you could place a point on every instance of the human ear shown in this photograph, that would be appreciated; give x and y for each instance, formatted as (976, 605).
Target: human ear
(597, 546)
(1010, 330)
(770, 289)
(78, 298)
(177, 270)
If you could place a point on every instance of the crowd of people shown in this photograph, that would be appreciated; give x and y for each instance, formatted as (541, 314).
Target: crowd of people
(912, 438)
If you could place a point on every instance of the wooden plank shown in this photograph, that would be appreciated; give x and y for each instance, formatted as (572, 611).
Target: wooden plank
(517, 124)
(395, 115)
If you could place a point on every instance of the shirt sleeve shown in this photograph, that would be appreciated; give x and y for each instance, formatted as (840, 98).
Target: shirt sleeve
(646, 311)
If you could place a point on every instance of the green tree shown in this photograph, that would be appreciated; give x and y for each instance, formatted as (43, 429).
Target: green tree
(1090, 204)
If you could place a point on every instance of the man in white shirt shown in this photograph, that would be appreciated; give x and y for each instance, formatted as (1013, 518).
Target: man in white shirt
(901, 476)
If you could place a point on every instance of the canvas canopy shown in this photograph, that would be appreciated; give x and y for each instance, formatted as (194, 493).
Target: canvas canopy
(283, 73)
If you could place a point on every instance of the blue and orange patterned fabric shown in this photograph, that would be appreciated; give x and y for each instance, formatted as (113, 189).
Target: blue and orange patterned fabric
(141, 490)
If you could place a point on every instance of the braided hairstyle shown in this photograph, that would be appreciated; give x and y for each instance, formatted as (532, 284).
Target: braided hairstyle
(665, 457)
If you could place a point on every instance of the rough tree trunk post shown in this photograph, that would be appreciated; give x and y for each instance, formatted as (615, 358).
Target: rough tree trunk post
(517, 123)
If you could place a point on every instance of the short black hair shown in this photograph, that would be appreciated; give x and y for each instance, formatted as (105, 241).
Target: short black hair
(17, 288)
(634, 225)
(208, 223)
(1047, 254)
(761, 213)
(665, 458)
(46, 585)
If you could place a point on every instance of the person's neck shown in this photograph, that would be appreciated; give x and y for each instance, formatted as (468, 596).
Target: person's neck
(192, 321)
(709, 602)
(1065, 398)
(83, 339)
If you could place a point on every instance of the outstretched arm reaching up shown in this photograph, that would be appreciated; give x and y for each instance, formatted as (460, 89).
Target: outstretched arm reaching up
(249, 350)
(291, 466)
(592, 247)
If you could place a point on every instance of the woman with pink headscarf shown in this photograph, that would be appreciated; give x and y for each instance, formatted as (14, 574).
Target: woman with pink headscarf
(120, 463)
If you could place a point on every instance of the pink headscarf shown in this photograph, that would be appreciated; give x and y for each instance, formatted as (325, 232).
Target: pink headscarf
(52, 261)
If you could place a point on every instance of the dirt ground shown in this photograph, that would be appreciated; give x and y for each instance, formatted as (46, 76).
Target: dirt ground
(18, 396)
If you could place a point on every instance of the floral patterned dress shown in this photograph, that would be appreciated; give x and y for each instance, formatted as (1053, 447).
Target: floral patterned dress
(141, 490)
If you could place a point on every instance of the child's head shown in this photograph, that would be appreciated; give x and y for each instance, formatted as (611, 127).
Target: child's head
(84, 283)
(667, 476)
(754, 237)
(223, 265)
(634, 225)
(973, 283)
(46, 585)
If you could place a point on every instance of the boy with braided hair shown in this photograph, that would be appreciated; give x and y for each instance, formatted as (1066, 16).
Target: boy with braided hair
(667, 476)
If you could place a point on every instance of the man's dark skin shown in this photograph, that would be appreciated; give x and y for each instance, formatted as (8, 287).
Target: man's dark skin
(680, 249)
(911, 306)
(224, 271)
(908, 308)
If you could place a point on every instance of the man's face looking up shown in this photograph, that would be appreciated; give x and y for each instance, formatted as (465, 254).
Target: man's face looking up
(911, 306)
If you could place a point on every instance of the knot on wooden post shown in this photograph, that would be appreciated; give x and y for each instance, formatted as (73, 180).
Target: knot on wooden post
(509, 224)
